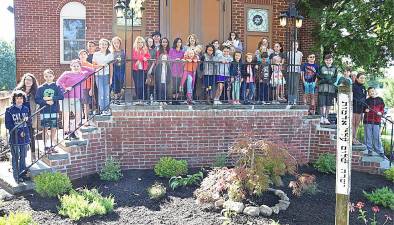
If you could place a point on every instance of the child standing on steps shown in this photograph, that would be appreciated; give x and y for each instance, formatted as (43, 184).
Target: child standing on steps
(309, 71)
(18, 115)
(189, 74)
(223, 72)
(235, 73)
(372, 118)
(48, 96)
(119, 71)
(249, 72)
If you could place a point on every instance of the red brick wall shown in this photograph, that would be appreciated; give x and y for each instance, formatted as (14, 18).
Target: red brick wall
(139, 138)
(151, 16)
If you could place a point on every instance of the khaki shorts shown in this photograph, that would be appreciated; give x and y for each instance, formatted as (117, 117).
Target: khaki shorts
(71, 105)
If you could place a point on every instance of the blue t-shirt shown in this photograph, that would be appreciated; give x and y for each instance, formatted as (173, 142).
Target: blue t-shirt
(310, 72)
(49, 90)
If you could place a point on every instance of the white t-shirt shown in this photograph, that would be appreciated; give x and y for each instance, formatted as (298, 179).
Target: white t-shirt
(297, 61)
(102, 59)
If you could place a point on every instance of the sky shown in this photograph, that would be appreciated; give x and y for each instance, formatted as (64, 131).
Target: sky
(7, 31)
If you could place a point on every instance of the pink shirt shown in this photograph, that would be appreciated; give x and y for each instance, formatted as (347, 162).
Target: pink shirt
(69, 79)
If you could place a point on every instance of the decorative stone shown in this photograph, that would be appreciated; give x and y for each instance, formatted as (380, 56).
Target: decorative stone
(275, 209)
(219, 203)
(286, 198)
(252, 211)
(265, 210)
(237, 207)
(280, 193)
(283, 205)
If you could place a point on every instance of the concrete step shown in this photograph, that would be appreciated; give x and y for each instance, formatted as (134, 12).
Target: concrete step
(8, 183)
(38, 168)
(375, 158)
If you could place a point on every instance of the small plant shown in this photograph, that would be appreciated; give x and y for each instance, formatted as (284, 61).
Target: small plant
(227, 216)
(179, 181)
(273, 222)
(305, 183)
(86, 203)
(363, 216)
(18, 218)
(382, 196)
(52, 184)
(389, 174)
(170, 167)
(325, 163)
(220, 160)
(157, 191)
(111, 171)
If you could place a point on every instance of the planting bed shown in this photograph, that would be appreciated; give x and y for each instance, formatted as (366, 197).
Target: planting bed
(133, 205)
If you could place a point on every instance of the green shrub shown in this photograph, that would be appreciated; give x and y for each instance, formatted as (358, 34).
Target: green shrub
(179, 181)
(18, 218)
(86, 203)
(389, 174)
(157, 191)
(325, 163)
(111, 171)
(220, 160)
(52, 184)
(170, 167)
(382, 196)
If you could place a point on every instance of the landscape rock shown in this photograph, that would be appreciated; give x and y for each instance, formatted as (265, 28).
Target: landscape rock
(237, 207)
(252, 211)
(275, 209)
(283, 205)
(265, 210)
(219, 203)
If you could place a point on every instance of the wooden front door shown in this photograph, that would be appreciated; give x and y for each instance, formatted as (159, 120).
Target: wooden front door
(208, 19)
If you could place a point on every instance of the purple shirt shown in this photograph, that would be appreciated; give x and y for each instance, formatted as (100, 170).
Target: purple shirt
(176, 68)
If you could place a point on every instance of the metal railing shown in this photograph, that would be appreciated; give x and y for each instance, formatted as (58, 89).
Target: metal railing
(54, 125)
(209, 82)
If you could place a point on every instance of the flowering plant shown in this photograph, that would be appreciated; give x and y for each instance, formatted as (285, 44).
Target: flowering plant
(362, 214)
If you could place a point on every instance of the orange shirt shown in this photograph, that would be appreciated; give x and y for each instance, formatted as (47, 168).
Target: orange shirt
(88, 82)
(191, 66)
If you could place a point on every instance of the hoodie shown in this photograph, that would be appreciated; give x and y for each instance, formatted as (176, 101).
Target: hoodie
(16, 116)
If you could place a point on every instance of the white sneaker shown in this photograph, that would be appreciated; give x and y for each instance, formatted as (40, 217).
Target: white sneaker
(326, 121)
(106, 113)
(322, 120)
(217, 102)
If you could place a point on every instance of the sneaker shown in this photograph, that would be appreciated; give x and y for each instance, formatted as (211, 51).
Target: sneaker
(322, 120)
(369, 153)
(217, 102)
(74, 136)
(383, 155)
(326, 121)
(106, 113)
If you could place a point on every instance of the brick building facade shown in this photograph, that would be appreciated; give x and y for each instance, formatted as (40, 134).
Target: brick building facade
(38, 31)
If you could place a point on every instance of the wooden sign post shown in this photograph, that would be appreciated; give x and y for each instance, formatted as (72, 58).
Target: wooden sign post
(344, 154)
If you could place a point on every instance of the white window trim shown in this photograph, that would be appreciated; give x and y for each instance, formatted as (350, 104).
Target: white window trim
(71, 10)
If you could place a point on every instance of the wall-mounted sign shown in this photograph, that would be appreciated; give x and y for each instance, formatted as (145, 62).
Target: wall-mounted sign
(257, 20)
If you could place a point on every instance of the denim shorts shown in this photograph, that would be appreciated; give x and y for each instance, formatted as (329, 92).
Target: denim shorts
(309, 87)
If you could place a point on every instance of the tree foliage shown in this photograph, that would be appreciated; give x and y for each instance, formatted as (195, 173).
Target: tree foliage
(361, 30)
(7, 66)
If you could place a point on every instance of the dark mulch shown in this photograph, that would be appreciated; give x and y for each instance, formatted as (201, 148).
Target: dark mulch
(179, 207)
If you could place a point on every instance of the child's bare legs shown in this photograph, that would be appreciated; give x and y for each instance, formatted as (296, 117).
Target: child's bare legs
(66, 122)
(219, 91)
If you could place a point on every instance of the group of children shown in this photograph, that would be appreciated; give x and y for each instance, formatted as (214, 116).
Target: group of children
(167, 73)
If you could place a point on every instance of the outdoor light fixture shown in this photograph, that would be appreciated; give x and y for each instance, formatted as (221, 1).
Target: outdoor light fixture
(119, 8)
(298, 21)
(283, 19)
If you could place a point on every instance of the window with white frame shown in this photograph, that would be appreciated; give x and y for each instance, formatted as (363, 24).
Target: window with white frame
(72, 31)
